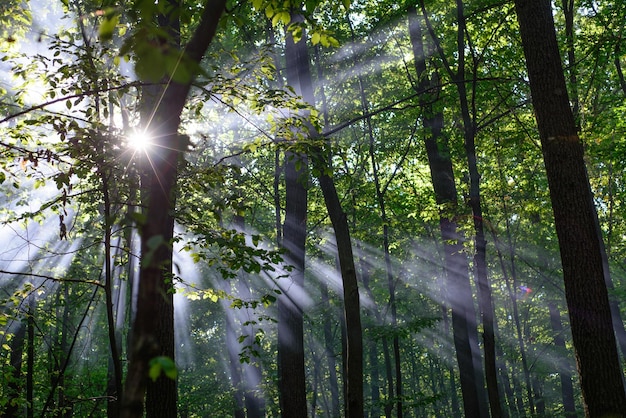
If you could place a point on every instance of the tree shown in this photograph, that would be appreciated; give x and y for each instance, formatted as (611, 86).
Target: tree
(457, 270)
(587, 298)
(157, 229)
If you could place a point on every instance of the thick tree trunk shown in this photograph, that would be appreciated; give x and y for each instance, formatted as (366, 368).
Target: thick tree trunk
(151, 325)
(290, 319)
(585, 289)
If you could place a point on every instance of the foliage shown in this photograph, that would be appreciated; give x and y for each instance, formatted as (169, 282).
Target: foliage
(71, 102)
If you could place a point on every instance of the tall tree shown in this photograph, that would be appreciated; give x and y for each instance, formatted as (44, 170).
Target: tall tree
(290, 315)
(458, 286)
(299, 76)
(572, 204)
(157, 229)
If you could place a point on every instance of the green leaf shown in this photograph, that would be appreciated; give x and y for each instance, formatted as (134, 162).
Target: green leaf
(315, 38)
(162, 364)
(105, 32)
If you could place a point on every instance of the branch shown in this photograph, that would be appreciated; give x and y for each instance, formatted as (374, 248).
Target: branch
(72, 96)
(204, 33)
(54, 279)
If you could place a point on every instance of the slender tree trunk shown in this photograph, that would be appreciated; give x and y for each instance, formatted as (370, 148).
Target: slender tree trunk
(567, 389)
(330, 356)
(480, 255)
(380, 197)
(585, 289)
(114, 384)
(232, 345)
(392, 392)
(373, 349)
(354, 349)
(299, 76)
(459, 292)
(14, 386)
(253, 395)
(618, 66)
(30, 358)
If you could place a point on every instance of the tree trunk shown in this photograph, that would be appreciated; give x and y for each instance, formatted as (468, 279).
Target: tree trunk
(232, 345)
(459, 292)
(567, 389)
(290, 320)
(14, 386)
(480, 244)
(114, 381)
(585, 290)
(30, 357)
(299, 76)
(330, 356)
(157, 229)
(354, 362)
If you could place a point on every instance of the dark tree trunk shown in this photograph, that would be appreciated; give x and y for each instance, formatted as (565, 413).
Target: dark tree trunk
(567, 389)
(299, 76)
(330, 355)
(14, 387)
(30, 358)
(585, 288)
(618, 66)
(290, 320)
(354, 362)
(458, 289)
(151, 325)
(232, 345)
(114, 381)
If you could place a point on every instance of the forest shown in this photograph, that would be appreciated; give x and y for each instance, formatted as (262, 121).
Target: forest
(312, 208)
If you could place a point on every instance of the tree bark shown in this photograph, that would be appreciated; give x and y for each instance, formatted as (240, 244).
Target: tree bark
(585, 290)
(290, 319)
(30, 357)
(157, 229)
(458, 289)
(567, 389)
(330, 356)
(14, 386)
(352, 311)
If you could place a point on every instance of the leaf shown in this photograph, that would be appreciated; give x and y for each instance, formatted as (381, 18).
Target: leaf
(162, 364)
(155, 371)
(315, 38)
(105, 32)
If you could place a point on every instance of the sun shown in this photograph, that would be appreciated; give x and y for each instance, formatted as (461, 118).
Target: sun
(139, 140)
